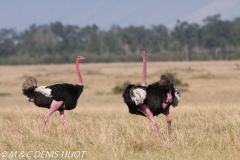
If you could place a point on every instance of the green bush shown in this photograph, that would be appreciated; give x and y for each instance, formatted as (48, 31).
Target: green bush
(174, 79)
(120, 88)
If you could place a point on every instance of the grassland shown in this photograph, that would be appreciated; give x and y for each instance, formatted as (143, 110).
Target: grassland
(206, 124)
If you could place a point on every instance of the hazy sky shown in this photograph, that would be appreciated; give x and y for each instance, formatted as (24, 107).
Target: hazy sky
(20, 14)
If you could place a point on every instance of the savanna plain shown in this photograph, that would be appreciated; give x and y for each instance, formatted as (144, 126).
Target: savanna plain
(205, 125)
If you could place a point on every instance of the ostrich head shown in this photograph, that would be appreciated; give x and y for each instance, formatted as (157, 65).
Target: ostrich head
(164, 80)
(165, 83)
(79, 58)
(144, 52)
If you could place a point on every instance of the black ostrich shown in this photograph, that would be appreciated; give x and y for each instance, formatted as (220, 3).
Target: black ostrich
(152, 100)
(54, 97)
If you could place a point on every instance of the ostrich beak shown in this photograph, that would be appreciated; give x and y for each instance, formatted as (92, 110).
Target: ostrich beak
(31, 100)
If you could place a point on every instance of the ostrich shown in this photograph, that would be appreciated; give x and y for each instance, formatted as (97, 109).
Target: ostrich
(152, 100)
(54, 97)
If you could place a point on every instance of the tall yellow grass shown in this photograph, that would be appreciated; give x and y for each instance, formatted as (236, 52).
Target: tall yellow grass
(206, 124)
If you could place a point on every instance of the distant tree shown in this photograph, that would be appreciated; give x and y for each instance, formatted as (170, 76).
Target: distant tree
(186, 36)
(234, 29)
(68, 37)
(133, 39)
(110, 41)
(7, 42)
(90, 36)
(44, 43)
(58, 29)
(216, 34)
(59, 43)
(160, 38)
(38, 40)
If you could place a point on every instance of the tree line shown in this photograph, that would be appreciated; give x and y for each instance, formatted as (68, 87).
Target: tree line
(216, 39)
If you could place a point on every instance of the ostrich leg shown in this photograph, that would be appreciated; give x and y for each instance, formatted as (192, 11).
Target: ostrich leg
(149, 115)
(55, 105)
(169, 120)
(62, 118)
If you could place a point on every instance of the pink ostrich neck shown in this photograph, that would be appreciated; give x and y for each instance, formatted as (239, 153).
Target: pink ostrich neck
(144, 68)
(78, 72)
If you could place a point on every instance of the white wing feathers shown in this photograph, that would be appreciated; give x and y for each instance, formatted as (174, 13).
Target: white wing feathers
(45, 91)
(138, 95)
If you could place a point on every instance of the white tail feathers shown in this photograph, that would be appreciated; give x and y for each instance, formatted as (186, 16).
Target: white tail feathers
(176, 99)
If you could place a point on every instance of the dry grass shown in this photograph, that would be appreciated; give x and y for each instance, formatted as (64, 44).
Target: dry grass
(206, 124)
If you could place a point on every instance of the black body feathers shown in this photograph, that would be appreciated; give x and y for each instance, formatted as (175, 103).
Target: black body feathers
(68, 93)
(156, 95)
